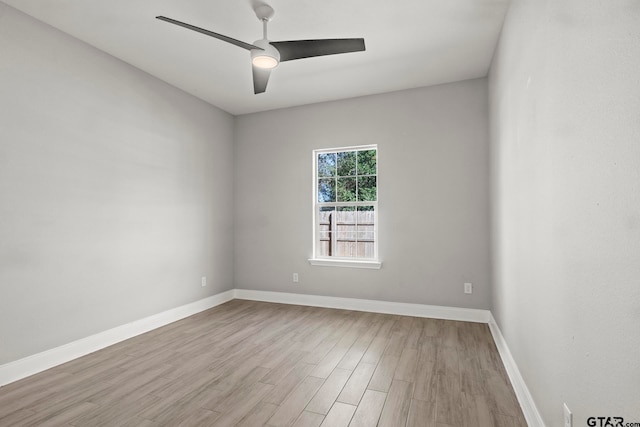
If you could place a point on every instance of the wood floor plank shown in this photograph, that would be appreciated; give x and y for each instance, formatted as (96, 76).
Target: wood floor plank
(447, 360)
(449, 335)
(95, 365)
(60, 417)
(23, 388)
(284, 387)
(295, 403)
(247, 374)
(396, 407)
(339, 416)
(313, 340)
(407, 365)
(139, 366)
(326, 396)
(476, 411)
(368, 412)
(357, 384)
(18, 400)
(505, 421)
(502, 398)
(429, 347)
(16, 417)
(396, 344)
(279, 332)
(383, 375)
(139, 386)
(422, 414)
(431, 327)
(316, 354)
(403, 325)
(329, 362)
(355, 353)
(490, 361)
(283, 368)
(386, 327)
(259, 415)
(241, 393)
(471, 378)
(180, 387)
(448, 399)
(198, 417)
(426, 379)
(276, 353)
(243, 405)
(309, 419)
(114, 414)
(248, 363)
(415, 334)
(375, 350)
(68, 396)
(352, 334)
(170, 410)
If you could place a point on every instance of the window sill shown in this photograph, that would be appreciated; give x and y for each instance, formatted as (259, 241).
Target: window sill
(376, 265)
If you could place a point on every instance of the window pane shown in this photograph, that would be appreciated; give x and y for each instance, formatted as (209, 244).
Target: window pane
(366, 232)
(326, 190)
(346, 232)
(326, 220)
(346, 189)
(367, 162)
(367, 186)
(327, 164)
(346, 163)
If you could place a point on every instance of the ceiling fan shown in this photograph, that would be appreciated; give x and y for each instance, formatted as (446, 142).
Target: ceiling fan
(267, 54)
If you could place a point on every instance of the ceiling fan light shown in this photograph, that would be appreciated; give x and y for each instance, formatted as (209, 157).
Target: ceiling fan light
(264, 61)
(266, 57)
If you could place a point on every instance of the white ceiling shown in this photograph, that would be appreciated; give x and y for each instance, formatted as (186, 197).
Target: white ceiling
(409, 43)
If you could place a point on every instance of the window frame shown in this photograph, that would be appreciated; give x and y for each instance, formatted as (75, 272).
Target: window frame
(334, 261)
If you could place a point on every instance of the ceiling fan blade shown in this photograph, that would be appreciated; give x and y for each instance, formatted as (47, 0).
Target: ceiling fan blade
(260, 79)
(209, 33)
(298, 49)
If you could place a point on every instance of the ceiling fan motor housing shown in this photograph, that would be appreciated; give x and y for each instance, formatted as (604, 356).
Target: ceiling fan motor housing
(267, 58)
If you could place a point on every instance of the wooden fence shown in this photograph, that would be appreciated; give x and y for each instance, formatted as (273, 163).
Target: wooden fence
(347, 234)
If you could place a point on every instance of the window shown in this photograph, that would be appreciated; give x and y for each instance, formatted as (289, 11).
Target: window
(345, 207)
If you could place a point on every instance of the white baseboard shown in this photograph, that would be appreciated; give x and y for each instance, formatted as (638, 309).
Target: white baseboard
(529, 409)
(39, 362)
(399, 308)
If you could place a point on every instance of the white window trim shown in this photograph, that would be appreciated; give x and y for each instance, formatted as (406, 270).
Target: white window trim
(368, 263)
(340, 262)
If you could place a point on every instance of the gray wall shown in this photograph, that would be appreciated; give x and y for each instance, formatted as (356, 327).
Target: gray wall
(565, 124)
(115, 192)
(433, 195)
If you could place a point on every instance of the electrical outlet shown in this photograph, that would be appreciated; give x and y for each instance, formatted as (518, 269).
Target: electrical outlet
(468, 288)
(203, 281)
(568, 416)
(296, 279)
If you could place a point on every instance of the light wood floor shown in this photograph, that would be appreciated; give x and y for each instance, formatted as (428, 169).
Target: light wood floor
(251, 364)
